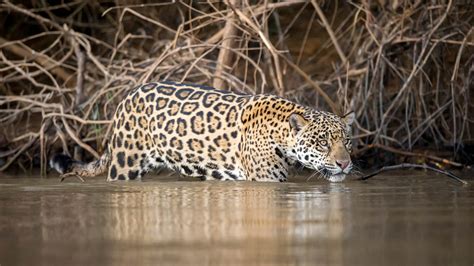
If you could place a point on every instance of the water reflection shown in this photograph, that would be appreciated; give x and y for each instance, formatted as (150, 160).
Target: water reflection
(221, 212)
(205, 212)
(240, 219)
(246, 222)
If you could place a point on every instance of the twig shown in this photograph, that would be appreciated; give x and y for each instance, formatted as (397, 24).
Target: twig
(42, 59)
(315, 85)
(24, 148)
(409, 165)
(267, 43)
(330, 32)
(81, 61)
(79, 141)
(33, 15)
(407, 153)
(156, 22)
(225, 54)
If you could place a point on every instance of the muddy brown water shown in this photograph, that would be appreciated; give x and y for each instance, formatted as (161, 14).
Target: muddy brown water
(407, 218)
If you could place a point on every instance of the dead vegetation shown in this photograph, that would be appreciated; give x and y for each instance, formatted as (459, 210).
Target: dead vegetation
(405, 67)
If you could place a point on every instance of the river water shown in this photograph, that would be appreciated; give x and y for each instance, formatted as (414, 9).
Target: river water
(406, 218)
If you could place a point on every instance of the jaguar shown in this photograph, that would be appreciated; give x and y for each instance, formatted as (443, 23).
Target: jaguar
(199, 131)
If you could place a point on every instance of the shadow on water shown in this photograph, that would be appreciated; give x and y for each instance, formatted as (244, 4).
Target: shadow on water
(419, 218)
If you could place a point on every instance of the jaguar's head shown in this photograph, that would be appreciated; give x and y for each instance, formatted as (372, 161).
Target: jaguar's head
(322, 141)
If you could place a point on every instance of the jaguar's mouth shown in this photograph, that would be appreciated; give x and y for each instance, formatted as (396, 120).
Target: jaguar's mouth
(328, 175)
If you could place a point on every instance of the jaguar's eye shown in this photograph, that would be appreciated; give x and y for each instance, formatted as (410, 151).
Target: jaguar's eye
(323, 143)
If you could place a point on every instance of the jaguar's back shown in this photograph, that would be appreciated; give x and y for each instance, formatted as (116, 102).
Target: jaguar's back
(192, 129)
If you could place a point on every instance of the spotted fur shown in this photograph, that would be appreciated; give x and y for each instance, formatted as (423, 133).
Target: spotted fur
(210, 134)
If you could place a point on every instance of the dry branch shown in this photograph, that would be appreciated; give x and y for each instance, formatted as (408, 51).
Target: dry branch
(330, 31)
(408, 153)
(42, 59)
(409, 165)
(224, 59)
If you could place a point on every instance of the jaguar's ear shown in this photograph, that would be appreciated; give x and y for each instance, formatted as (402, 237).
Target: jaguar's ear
(297, 122)
(348, 119)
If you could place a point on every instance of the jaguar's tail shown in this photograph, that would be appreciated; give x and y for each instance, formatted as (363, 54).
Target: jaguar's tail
(67, 166)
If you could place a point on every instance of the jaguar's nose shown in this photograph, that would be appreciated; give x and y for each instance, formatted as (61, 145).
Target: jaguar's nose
(342, 163)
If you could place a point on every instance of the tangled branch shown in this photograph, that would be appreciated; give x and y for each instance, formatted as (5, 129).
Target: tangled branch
(405, 68)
